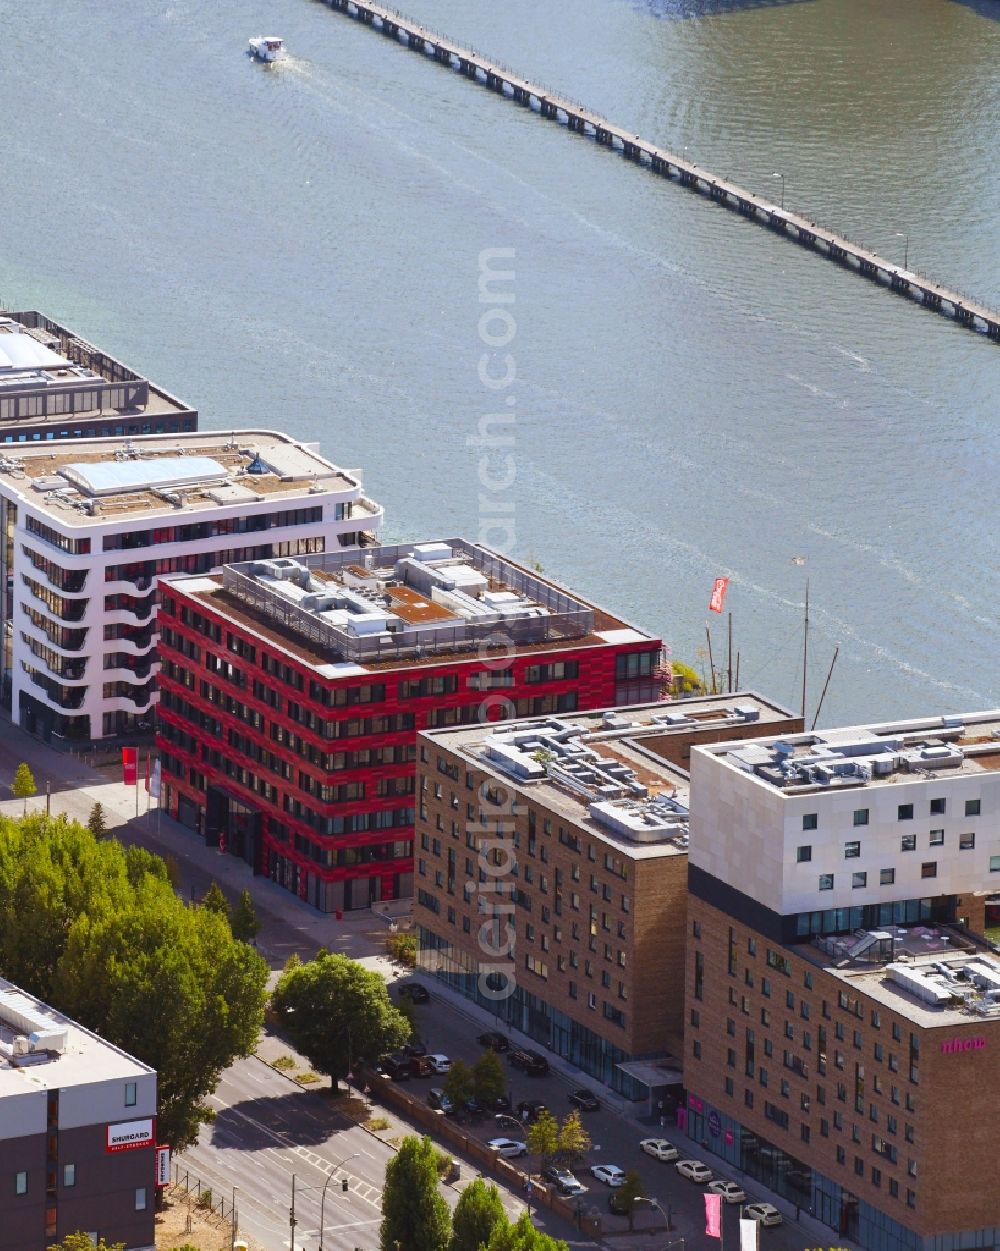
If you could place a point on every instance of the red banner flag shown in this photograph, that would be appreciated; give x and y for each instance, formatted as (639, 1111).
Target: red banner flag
(130, 766)
(719, 589)
(713, 1216)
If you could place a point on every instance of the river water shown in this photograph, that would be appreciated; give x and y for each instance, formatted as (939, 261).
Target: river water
(299, 248)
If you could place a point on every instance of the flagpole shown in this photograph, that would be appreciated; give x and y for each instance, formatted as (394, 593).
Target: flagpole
(711, 661)
(805, 652)
(730, 653)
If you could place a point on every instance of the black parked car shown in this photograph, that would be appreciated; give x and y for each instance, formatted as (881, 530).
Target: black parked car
(397, 1067)
(416, 992)
(584, 1100)
(498, 1042)
(532, 1062)
(530, 1109)
(415, 1047)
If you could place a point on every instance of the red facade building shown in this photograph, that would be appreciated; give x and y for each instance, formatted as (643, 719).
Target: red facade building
(291, 694)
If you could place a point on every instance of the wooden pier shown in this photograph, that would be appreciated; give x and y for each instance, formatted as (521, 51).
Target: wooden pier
(498, 78)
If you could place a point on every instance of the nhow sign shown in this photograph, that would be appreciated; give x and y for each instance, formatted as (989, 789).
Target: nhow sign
(131, 1134)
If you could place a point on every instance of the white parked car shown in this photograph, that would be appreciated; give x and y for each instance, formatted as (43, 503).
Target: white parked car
(660, 1149)
(508, 1147)
(439, 1064)
(610, 1174)
(763, 1212)
(730, 1191)
(694, 1170)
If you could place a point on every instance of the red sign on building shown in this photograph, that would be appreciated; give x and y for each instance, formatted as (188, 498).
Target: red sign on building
(130, 766)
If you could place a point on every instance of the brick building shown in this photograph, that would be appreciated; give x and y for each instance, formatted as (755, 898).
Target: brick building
(843, 1016)
(292, 693)
(563, 842)
(77, 1132)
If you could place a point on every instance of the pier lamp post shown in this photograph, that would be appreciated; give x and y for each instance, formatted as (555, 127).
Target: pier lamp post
(906, 247)
(782, 177)
(322, 1202)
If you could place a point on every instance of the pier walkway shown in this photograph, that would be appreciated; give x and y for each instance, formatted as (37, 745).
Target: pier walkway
(498, 78)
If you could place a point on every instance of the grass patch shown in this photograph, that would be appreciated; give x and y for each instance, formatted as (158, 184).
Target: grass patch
(376, 1124)
(402, 948)
(306, 1079)
(284, 1063)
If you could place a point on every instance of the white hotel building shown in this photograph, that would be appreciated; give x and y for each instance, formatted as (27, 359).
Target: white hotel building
(88, 526)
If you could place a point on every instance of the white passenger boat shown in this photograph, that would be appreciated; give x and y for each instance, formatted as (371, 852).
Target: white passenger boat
(267, 48)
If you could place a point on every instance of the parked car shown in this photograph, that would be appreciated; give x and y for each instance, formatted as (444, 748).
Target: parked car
(475, 1107)
(509, 1147)
(694, 1170)
(763, 1212)
(585, 1100)
(494, 1040)
(416, 992)
(440, 1064)
(397, 1067)
(530, 1109)
(610, 1174)
(420, 1066)
(660, 1149)
(439, 1101)
(532, 1062)
(731, 1192)
(564, 1181)
(415, 1047)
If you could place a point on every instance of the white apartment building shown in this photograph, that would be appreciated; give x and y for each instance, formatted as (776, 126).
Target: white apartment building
(88, 526)
(836, 830)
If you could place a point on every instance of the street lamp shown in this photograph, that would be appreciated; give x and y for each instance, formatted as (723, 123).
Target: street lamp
(322, 1202)
(906, 247)
(232, 1240)
(782, 177)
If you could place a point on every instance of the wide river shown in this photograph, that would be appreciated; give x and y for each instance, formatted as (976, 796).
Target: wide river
(299, 248)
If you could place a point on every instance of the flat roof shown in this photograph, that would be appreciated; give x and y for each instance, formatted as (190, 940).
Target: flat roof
(81, 483)
(65, 1055)
(930, 749)
(395, 607)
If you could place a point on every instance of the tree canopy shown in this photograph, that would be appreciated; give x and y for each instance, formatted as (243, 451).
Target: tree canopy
(335, 1012)
(489, 1079)
(574, 1141)
(97, 931)
(415, 1216)
(629, 1191)
(457, 1084)
(477, 1214)
(244, 920)
(23, 786)
(523, 1236)
(543, 1136)
(215, 901)
(81, 1242)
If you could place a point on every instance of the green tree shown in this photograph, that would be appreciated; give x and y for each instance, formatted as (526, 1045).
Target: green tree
(408, 1009)
(414, 1214)
(23, 786)
(96, 930)
(489, 1081)
(81, 1242)
(335, 1012)
(96, 822)
(215, 901)
(628, 1192)
(244, 921)
(523, 1236)
(477, 1214)
(574, 1141)
(457, 1084)
(543, 1136)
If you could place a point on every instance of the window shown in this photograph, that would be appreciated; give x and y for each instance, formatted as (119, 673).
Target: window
(966, 842)
(938, 806)
(858, 880)
(904, 812)
(826, 881)
(928, 868)
(852, 850)
(972, 808)
(804, 854)
(886, 877)
(937, 838)
(130, 1094)
(810, 820)
(20, 1183)
(69, 1174)
(995, 864)
(860, 816)
(908, 842)
(696, 929)
(140, 1198)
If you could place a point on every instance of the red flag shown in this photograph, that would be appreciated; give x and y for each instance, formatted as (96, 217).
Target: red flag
(130, 766)
(719, 589)
(713, 1216)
